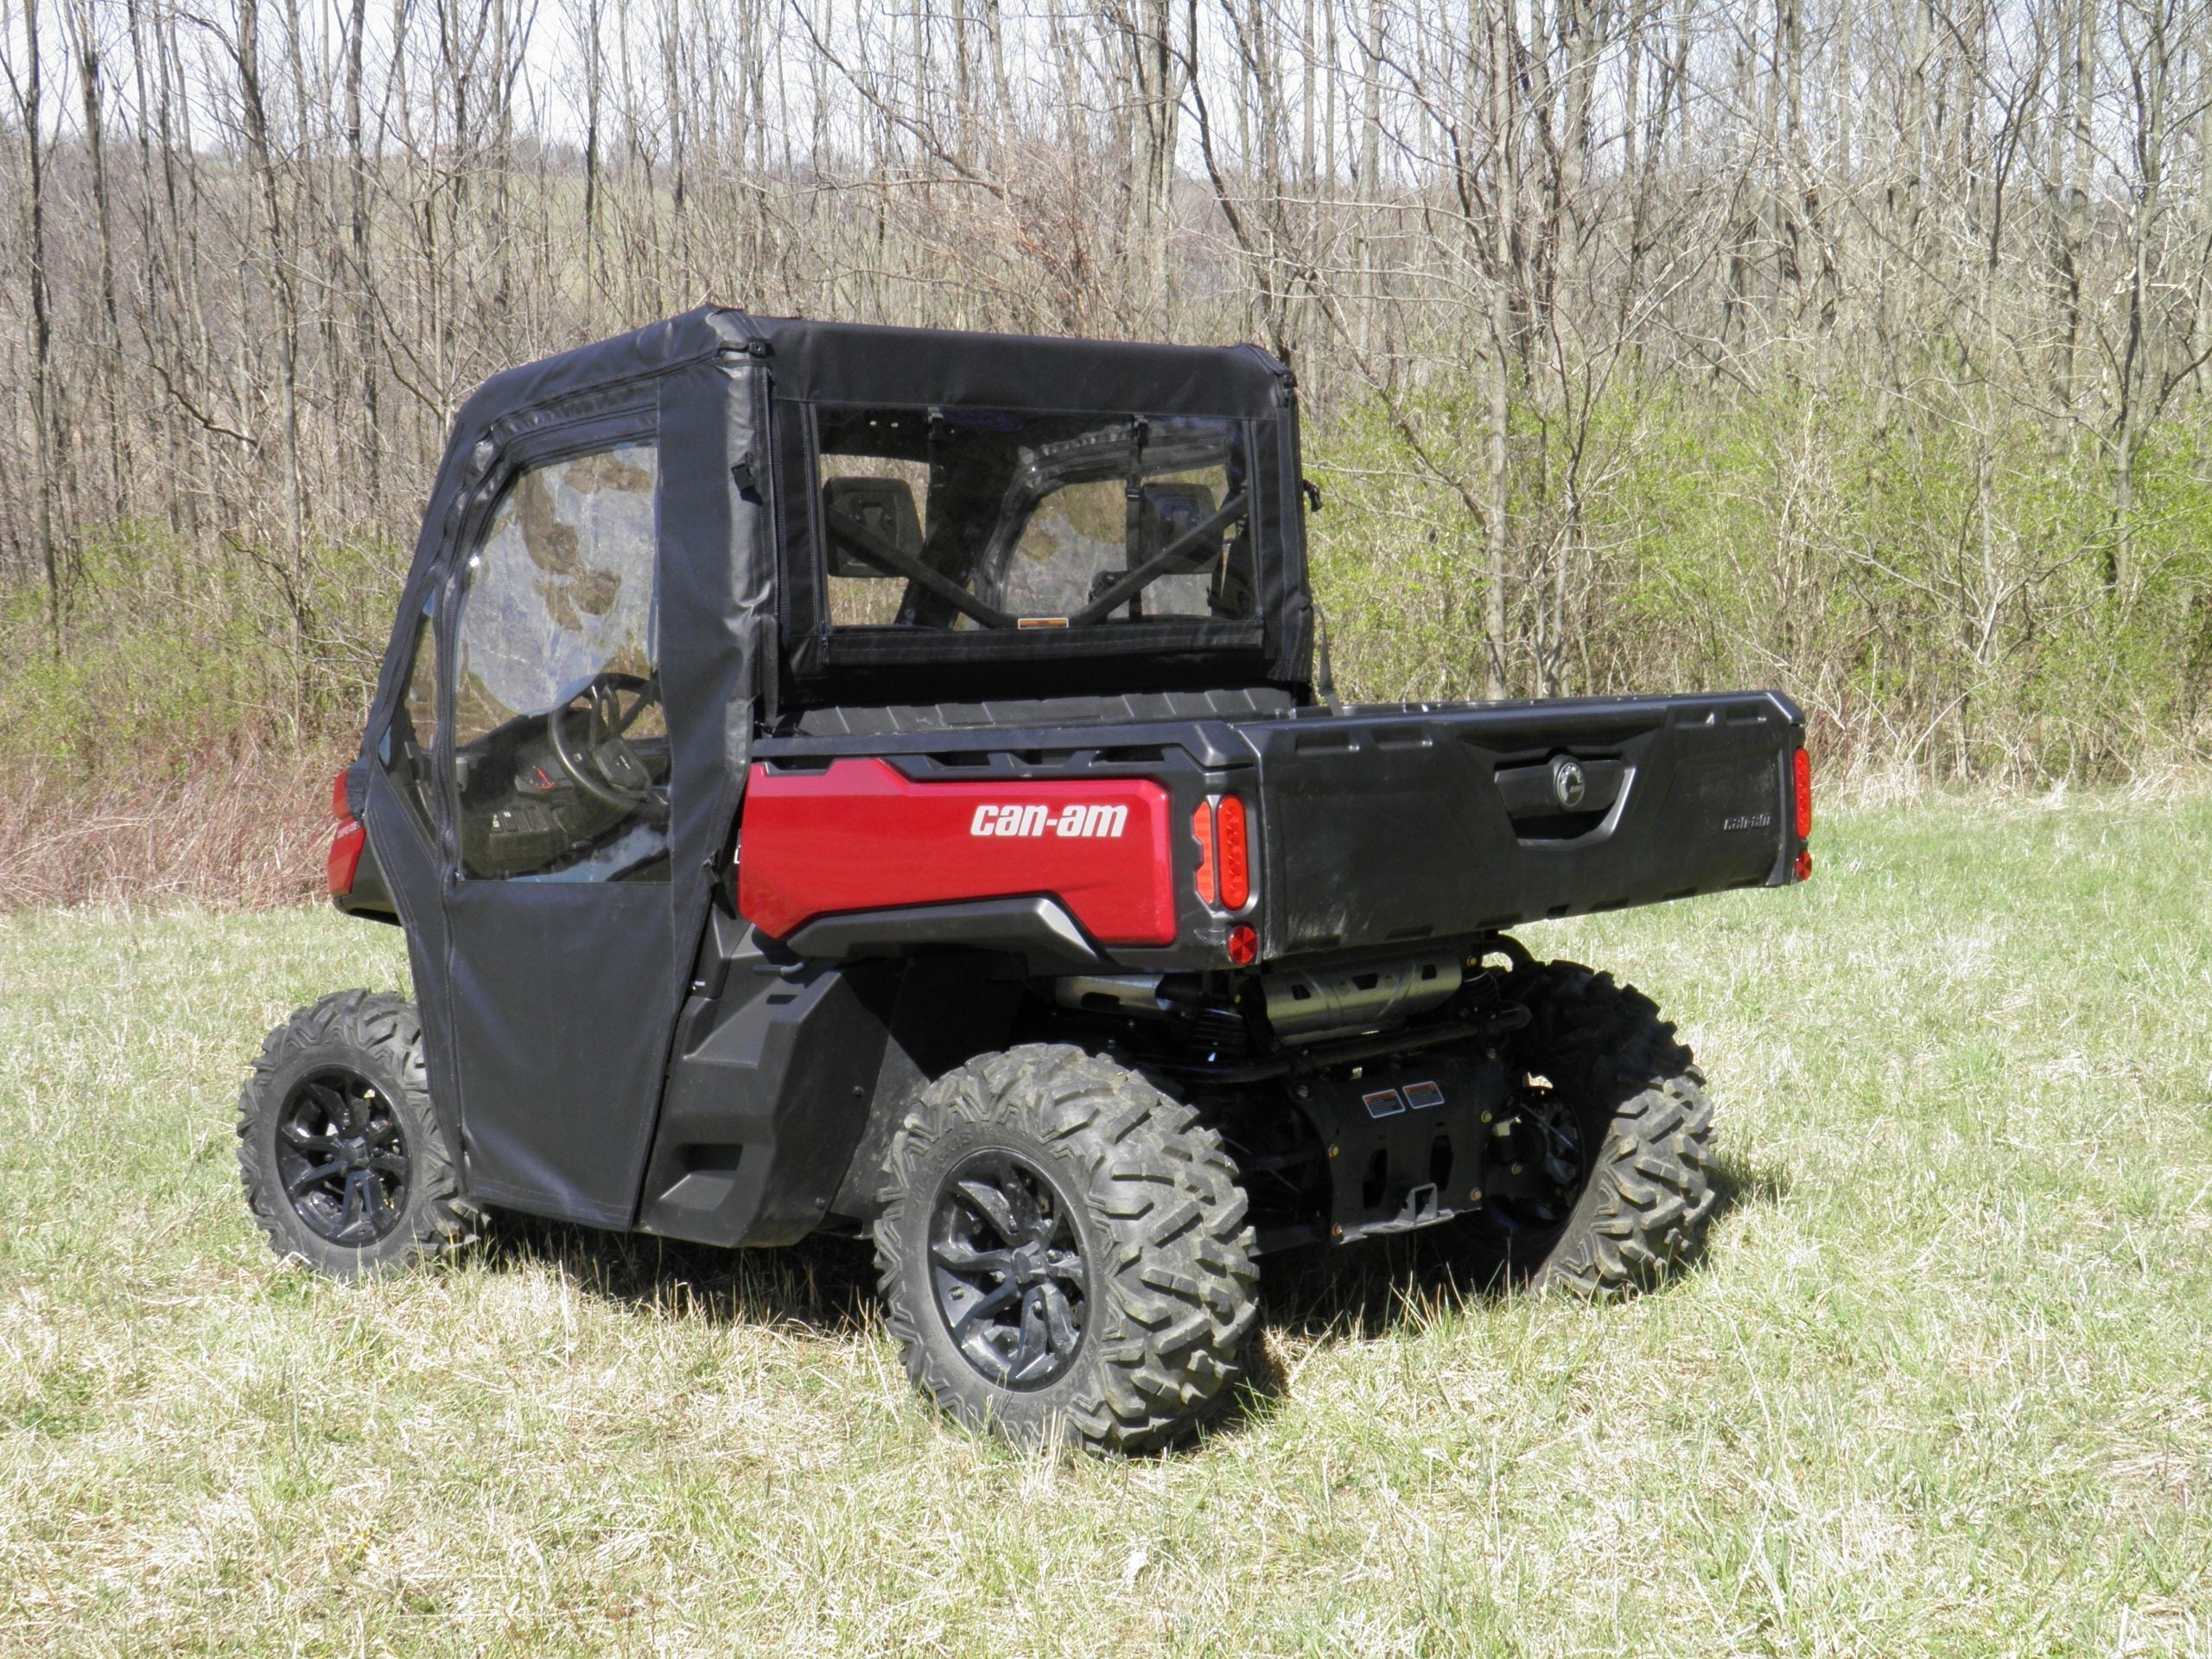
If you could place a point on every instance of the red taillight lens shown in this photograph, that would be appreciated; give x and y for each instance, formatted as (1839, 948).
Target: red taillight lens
(1235, 855)
(1202, 832)
(1224, 873)
(341, 807)
(1800, 765)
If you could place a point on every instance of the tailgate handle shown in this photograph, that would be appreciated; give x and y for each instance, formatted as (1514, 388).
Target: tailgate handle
(1560, 799)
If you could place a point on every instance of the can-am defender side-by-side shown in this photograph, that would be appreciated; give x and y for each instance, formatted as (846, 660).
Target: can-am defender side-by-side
(878, 780)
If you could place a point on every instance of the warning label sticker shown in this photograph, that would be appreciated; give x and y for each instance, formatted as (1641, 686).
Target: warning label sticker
(1383, 1102)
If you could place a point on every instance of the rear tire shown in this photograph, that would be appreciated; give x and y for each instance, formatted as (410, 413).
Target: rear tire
(1635, 1098)
(1062, 1253)
(344, 1164)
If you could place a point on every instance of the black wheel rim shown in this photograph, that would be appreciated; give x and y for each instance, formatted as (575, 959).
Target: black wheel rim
(1008, 1270)
(341, 1157)
(1546, 1134)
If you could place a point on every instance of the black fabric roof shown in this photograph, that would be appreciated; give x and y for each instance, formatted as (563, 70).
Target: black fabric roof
(844, 362)
(653, 349)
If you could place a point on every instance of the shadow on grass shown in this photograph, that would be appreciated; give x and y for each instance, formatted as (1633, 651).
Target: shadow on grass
(1385, 1286)
(1380, 1286)
(824, 1283)
(1313, 1294)
(1740, 1184)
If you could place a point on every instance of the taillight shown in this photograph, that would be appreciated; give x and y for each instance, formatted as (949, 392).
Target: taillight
(346, 846)
(1225, 872)
(1235, 857)
(1801, 769)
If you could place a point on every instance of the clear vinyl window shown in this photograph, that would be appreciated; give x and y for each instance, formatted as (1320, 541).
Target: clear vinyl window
(560, 753)
(982, 519)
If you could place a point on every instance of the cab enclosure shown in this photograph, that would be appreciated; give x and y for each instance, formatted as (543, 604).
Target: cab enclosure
(781, 713)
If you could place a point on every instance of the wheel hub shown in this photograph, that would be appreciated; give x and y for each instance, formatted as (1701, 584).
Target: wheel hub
(1008, 1270)
(342, 1157)
(1536, 1167)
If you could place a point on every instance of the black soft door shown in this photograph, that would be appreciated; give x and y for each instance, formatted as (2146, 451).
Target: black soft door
(562, 962)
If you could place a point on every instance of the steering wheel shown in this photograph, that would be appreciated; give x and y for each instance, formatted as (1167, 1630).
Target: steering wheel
(587, 733)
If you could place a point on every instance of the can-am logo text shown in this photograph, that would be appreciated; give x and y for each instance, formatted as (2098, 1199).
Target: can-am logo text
(1069, 822)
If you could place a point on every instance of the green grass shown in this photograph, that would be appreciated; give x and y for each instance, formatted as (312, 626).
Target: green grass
(1943, 1386)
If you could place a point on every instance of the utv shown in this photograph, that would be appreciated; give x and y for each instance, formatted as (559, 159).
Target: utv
(871, 779)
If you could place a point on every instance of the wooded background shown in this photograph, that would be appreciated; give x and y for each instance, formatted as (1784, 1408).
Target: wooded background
(1857, 346)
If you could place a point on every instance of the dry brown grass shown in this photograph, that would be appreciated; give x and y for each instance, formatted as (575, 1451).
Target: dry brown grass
(248, 832)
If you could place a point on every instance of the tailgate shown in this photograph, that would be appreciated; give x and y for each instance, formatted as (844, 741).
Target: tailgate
(1389, 825)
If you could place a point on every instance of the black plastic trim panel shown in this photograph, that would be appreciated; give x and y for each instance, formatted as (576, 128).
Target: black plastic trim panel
(1037, 929)
(789, 1079)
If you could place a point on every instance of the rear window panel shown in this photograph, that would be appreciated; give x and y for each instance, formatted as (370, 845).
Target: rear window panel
(1034, 520)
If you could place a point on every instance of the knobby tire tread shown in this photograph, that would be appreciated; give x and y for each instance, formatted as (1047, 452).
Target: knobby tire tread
(1178, 1284)
(374, 1029)
(1652, 1192)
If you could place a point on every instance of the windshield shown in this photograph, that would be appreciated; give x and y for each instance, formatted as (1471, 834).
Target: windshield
(984, 518)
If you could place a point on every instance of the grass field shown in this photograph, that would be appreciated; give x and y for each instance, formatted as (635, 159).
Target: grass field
(1944, 1387)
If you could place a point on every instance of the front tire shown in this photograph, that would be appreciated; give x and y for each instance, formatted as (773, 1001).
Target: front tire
(1601, 1077)
(1062, 1253)
(343, 1161)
